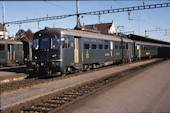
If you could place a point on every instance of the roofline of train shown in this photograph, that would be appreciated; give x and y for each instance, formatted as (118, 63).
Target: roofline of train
(90, 34)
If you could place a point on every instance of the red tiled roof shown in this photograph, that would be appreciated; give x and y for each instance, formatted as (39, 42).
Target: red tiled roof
(104, 27)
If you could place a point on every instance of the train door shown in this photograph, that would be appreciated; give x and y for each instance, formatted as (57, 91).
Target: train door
(129, 51)
(139, 50)
(111, 48)
(76, 50)
(10, 51)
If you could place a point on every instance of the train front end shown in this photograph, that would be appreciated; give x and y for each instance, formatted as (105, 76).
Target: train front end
(46, 53)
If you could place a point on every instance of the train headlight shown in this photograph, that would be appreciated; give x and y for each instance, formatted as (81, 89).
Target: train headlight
(53, 56)
(42, 64)
(35, 57)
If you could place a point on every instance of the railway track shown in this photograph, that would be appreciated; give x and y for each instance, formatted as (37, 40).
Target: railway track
(15, 85)
(57, 101)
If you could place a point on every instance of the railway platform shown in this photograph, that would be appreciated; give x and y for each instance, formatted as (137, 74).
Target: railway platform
(146, 92)
(8, 74)
(30, 93)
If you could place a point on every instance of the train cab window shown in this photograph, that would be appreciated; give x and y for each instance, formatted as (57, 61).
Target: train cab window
(44, 43)
(106, 44)
(94, 44)
(35, 44)
(55, 43)
(100, 44)
(2, 47)
(86, 43)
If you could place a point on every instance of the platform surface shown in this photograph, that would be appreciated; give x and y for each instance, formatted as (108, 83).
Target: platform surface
(30, 93)
(147, 91)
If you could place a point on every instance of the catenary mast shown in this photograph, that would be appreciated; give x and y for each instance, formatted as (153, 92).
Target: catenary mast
(78, 26)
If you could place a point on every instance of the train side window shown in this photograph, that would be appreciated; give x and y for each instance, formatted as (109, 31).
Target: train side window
(116, 45)
(126, 45)
(94, 44)
(65, 43)
(86, 44)
(54, 43)
(106, 44)
(138, 47)
(120, 45)
(2, 47)
(100, 44)
(19, 47)
(123, 45)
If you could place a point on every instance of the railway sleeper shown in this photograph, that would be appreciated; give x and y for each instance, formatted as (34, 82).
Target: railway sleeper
(50, 106)
(34, 110)
(59, 103)
(39, 107)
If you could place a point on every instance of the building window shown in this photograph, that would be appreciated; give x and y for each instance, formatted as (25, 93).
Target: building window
(86, 43)
(94, 44)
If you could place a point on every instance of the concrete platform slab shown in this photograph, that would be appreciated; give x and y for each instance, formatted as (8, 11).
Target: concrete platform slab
(9, 74)
(146, 92)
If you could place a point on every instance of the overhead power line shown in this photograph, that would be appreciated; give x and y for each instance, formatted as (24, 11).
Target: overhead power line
(127, 9)
(166, 30)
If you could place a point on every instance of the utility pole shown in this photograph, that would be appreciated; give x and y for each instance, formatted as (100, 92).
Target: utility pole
(99, 18)
(78, 26)
(3, 16)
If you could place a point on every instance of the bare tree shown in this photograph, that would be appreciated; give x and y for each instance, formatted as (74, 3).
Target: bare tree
(22, 34)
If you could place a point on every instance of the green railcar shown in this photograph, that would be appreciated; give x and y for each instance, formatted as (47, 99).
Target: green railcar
(11, 52)
(63, 50)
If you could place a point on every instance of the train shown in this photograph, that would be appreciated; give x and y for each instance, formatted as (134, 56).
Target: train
(67, 50)
(15, 52)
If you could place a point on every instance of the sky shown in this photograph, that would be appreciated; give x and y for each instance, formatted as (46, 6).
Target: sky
(150, 19)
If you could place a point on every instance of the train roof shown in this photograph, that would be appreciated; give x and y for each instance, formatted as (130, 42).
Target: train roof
(152, 44)
(79, 33)
(3, 41)
(146, 39)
